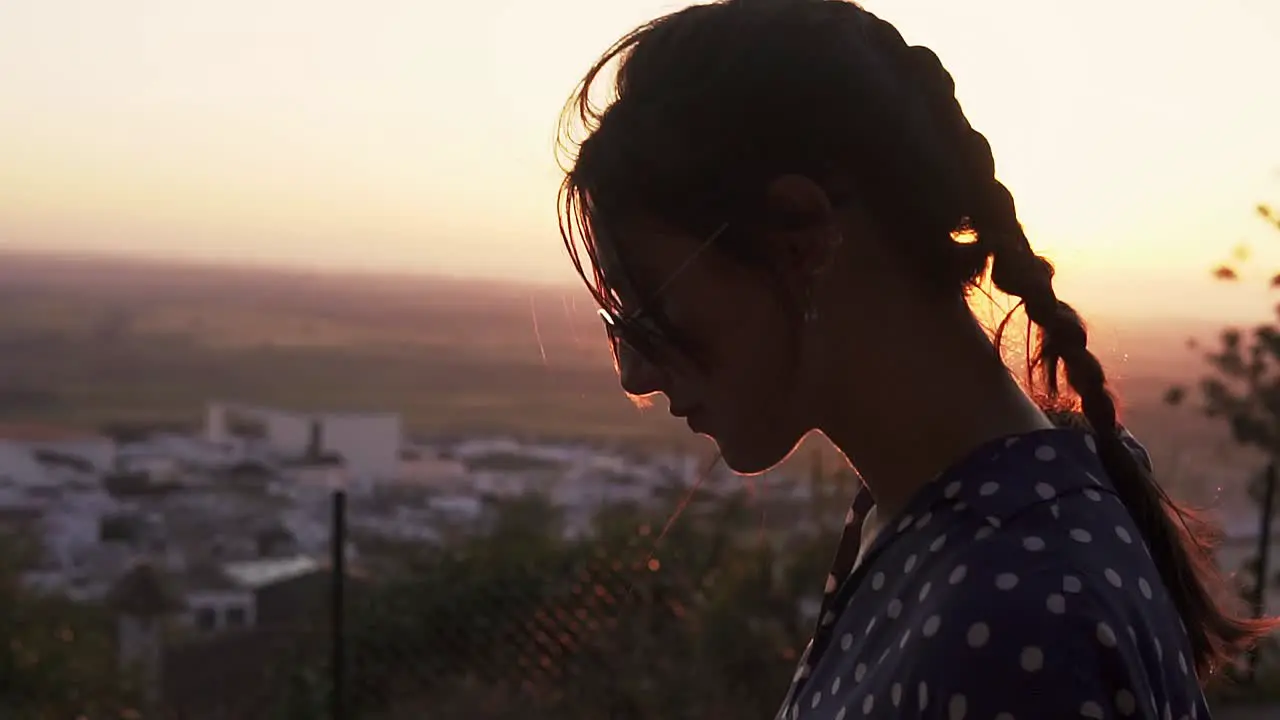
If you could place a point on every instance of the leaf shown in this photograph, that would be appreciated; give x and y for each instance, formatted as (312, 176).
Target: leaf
(1223, 272)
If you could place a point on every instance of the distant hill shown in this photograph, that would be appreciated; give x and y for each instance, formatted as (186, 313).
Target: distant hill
(90, 341)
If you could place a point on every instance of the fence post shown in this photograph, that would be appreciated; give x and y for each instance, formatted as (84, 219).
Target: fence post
(1264, 554)
(337, 637)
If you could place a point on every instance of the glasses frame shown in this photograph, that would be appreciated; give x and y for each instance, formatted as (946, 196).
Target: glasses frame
(616, 324)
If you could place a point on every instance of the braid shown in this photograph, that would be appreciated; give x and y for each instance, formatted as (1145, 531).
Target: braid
(1182, 555)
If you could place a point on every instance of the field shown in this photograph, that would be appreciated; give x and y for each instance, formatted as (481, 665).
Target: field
(88, 342)
(91, 342)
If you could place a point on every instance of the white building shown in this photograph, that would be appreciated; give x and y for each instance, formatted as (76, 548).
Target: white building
(96, 452)
(369, 444)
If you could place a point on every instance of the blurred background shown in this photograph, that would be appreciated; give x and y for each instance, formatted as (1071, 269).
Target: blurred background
(303, 414)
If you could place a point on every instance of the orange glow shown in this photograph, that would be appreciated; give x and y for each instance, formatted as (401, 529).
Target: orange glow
(321, 134)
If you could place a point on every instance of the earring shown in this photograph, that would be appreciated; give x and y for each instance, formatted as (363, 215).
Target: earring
(810, 308)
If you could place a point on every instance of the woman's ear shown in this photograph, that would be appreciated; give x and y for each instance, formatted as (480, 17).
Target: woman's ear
(801, 227)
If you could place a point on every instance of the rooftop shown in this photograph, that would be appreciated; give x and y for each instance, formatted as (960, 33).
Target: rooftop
(27, 432)
(254, 574)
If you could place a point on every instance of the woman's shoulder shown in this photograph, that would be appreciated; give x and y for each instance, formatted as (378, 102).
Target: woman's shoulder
(1014, 627)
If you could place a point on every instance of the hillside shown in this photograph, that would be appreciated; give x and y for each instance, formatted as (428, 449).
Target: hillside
(91, 341)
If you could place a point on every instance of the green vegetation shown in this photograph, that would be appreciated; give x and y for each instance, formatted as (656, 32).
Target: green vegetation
(58, 658)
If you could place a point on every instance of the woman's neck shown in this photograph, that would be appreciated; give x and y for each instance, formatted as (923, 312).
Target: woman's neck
(949, 402)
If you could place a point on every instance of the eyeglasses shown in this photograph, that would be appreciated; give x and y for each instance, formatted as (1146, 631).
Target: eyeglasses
(636, 330)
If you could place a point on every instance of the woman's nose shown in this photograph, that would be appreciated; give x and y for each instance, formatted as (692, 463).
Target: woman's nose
(638, 375)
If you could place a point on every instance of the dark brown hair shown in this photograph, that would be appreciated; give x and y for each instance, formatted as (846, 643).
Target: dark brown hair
(714, 101)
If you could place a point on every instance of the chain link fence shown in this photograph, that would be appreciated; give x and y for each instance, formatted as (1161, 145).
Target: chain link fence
(639, 619)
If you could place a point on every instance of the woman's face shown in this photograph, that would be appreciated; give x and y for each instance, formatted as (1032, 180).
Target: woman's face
(729, 364)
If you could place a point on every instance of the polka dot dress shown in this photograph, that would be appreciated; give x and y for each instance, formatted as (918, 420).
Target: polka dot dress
(1014, 587)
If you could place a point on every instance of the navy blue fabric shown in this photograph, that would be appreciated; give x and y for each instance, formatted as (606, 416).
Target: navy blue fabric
(1014, 587)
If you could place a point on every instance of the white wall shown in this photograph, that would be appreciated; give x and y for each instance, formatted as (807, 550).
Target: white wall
(19, 467)
(220, 602)
(369, 443)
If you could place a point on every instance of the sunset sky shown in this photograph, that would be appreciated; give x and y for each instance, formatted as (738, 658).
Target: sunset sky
(1136, 135)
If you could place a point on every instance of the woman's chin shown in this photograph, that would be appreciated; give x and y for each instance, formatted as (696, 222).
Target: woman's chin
(747, 458)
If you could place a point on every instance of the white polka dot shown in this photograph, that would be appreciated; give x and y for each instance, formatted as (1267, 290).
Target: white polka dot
(905, 637)
(1126, 703)
(993, 521)
(1182, 663)
(988, 488)
(1056, 603)
(952, 489)
(870, 625)
(960, 506)
(867, 703)
(957, 708)
(905, 523)
(860, 672)
(828, 618)
(910, 564)
(895, 694)
(841, 713)
(978, 635)
(922, 695)
(937, 543)
(894, 609)
(958, 574)
(1159, 649)
(835, 686)
(1145, 587)
(1091, 710)
(1072, 584)
(924, 520)
(1093, 495)
(1133, 635)
(1032, 659)
(1081, 535)
(1045, 453)
(1033, 543)
(877, 581)
(1124, 535)
(1011, 442)
(1055, 511)
(1045, 490)
(817, 699)
(1113, 577)
(831, 584)
(1006, 581)
(1106, 635)
(984, 532)
(924, 590)
(846, 641)
(930, 627)
(1089, 443)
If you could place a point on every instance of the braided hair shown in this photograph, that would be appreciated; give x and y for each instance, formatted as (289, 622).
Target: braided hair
(712, 102)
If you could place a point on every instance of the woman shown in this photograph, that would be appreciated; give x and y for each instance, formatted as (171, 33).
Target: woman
(781, 212)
